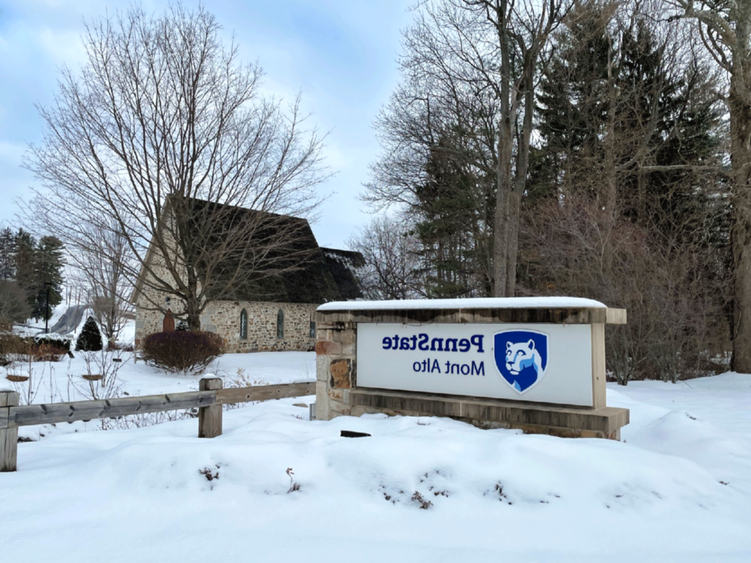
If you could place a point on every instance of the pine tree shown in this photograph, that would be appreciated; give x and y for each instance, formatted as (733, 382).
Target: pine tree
(90, 339)
(662, 119)
(13, 305)
(632, 209)
(7, 252)
(48, 269)
(447, 225)
(23, 259)
(573, 105)
(36, 263)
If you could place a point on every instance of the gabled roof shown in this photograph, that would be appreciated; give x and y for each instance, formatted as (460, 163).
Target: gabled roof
(309, 274)
(343, 266)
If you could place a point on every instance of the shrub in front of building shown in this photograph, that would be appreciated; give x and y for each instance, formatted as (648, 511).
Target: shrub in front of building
(55, 341)
(182, 351)
(90, 339)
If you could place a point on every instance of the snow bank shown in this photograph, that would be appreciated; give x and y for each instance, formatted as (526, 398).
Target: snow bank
(419, 489)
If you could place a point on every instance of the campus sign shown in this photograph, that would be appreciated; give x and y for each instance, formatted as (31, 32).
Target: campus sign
(532, 363)
(547, 363)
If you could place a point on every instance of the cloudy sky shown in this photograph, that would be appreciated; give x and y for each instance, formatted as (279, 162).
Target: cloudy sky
(340, 54)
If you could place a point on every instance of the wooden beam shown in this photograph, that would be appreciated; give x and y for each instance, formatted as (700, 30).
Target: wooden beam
(8, 436)
(264, 392)
(29, 415)
(599, 368)
(616, 317)
(210, 417)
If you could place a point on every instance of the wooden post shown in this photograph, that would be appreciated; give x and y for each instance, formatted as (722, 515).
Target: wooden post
(8, 436)
(210, 418)
(599, 370)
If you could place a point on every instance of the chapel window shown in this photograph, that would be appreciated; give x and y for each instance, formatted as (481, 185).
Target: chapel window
(244, 324)
(280, 324)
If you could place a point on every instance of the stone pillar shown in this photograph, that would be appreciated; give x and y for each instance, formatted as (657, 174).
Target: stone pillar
(336, 368)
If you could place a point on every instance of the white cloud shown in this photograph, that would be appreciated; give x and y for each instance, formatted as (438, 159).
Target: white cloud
(62, 46)
(11, 153)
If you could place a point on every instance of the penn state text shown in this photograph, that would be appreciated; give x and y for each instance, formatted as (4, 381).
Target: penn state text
(424, 343)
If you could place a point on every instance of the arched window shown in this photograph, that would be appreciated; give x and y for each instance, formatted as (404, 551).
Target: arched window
(280, 324)
(243, 325)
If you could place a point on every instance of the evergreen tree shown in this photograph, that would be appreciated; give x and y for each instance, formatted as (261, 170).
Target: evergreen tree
(23, 259)
(573, 106)
(90, 339)
(447, 224)
(13, 305)
(36, 263)
(631, 209)
(7, 253)
(665, 121)
(48, 269)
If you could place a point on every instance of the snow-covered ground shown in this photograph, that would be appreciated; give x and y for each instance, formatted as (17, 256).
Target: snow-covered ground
(678, 488)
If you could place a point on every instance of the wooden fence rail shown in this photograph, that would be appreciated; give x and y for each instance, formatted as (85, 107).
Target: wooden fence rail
(208, 399)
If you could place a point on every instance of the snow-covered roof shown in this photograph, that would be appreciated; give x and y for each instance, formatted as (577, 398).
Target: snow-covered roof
(471, 303)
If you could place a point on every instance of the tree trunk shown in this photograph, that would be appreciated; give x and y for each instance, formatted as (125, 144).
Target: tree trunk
(520, 180)
(514, 204)
(739, 105)
(740, 127)
(194, 314)
(500, 238)
(610, 192)
(505, 152)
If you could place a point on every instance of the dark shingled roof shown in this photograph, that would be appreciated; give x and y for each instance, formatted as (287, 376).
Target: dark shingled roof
(317, 275)
(342, 265)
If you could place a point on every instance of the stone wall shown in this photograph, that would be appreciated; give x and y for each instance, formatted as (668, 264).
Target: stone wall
(223, 318)
(336, 368)
(148, 321)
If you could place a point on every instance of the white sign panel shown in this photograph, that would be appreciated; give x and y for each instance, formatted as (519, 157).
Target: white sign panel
(547, 363)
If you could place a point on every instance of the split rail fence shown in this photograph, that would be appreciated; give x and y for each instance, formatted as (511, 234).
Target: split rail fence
(208, 399)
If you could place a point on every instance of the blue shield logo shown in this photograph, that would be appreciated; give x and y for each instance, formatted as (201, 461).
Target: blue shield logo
(521, 357)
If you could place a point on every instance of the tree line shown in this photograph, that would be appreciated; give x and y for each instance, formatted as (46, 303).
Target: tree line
(31, 270)
(577, 148)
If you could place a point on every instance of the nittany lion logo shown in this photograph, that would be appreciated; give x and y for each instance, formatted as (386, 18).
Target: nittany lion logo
(521, 357)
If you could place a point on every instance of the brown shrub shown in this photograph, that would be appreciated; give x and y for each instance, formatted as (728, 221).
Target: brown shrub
(674, 290)
(182, 351)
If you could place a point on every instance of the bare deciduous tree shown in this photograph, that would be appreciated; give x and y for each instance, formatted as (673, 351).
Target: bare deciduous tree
(522, 30)
(630, 208)
(470, 72)
(392, 263)
(163, 141)
(104, 265)
(675, 304)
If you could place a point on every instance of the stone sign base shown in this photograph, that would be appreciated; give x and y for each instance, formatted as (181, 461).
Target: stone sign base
(565, 422)
(338, 392)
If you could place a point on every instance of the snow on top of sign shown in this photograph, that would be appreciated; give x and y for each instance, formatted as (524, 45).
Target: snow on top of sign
(472, 303)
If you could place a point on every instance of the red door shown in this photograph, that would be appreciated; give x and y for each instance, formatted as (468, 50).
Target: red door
(168, 324)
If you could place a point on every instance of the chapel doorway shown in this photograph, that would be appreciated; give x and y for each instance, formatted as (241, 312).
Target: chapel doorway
(168, 323)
